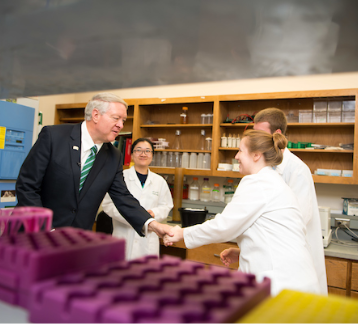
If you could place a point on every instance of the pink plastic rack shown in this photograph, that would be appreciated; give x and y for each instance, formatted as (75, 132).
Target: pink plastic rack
(33, 219)
(26, 258)
(167, 290)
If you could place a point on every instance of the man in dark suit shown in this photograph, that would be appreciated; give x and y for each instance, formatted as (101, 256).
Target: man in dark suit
(50, 175)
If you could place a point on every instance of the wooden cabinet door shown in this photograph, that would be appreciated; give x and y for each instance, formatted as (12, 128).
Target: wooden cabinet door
(336, 272)
(355, 276)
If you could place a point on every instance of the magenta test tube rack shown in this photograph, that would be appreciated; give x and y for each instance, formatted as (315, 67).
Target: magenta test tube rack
(26, 258)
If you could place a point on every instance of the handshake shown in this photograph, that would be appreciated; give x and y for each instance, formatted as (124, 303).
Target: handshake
(178, 236)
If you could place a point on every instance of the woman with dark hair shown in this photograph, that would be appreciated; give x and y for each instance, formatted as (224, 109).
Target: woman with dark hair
(152, 192)
(263, 217)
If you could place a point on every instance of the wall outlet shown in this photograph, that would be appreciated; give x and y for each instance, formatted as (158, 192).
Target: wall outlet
(340, 222)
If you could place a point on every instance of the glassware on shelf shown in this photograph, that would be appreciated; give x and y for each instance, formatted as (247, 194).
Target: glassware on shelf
(200, 161)
(184, 118)
(194, 189)
(185, 160)
(208, 143)
(203, 118)
(170, 163)
(216, 192)
(171, 185)
(229, 191)
(185, 189)
(158, 158)
(192, 161)
(205, 192)
(202, 140)
(177, 141)
(209, 118)
(164, 158)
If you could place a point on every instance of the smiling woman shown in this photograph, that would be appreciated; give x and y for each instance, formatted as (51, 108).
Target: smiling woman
(153, 194)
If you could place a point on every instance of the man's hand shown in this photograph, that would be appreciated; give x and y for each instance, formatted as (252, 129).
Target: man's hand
(229, 256)
(160, 229)
(150, 212)
(178, 236)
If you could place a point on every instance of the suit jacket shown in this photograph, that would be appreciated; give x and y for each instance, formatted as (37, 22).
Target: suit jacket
(50, 177)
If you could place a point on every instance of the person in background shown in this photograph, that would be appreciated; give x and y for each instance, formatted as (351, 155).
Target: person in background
(153, 194)
(71, 167)
(299, 178)
(263, 217)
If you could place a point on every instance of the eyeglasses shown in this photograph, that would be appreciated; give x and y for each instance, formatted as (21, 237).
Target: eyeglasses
(140, 152)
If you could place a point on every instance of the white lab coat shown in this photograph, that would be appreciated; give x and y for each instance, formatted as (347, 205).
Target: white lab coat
(299, 178)
(267, 224)
(155, 195)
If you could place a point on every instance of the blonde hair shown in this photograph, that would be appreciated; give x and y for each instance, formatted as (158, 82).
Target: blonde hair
(269, 145)
(275, 117)
(101, 102)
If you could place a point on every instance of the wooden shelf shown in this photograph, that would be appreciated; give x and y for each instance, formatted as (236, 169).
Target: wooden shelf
(194, 172)
(164, 110)
(176, 125)
(321, 151)
(293, 124)
(182, 151)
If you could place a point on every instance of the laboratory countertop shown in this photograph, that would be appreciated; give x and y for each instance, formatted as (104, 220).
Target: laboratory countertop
(341, 251)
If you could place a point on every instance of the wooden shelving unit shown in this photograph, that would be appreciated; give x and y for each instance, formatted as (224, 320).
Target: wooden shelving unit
(159, 118)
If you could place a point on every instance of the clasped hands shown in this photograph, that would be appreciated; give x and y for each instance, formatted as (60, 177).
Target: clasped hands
(177, 236)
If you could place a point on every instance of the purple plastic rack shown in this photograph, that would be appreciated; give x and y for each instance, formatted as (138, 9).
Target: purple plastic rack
(26, 258)
(147, 290)
(33, 219)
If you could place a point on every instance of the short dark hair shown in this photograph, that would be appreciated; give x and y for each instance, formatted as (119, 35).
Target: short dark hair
(142, 139)
(275, 117)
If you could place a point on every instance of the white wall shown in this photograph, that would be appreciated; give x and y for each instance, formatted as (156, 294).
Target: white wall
(327, 194)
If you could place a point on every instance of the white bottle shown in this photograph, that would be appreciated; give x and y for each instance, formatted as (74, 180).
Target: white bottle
(229, 141)
(202, 140)
(238, 140)
(185, 160)
(200, 161)
(224, 141)
(205, 191)
(233, 144)
(192, 161)
(194, 189)
(207, 161)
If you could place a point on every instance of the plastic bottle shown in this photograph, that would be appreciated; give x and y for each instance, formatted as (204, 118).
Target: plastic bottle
(192, 161)
(200, 161)
(202, 140)
(185, 189)
(170, 162)
(164, 160)
(233, 144)
(223, 141)
(203, 118)
(229, 191)
(205, 191)
(177, 159)
(207, 161)
(216, 192)
(238, 140)
(185, 160)
(184, 116)
(177, 141)
(229, 141)
(194, 189)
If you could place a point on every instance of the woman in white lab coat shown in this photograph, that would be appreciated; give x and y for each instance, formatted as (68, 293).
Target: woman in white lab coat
(263, 217)
(153, 194)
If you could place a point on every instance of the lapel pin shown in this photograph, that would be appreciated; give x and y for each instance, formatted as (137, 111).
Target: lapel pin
(75, 148)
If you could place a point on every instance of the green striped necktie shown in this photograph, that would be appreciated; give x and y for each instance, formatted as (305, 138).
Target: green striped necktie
(88, 165)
